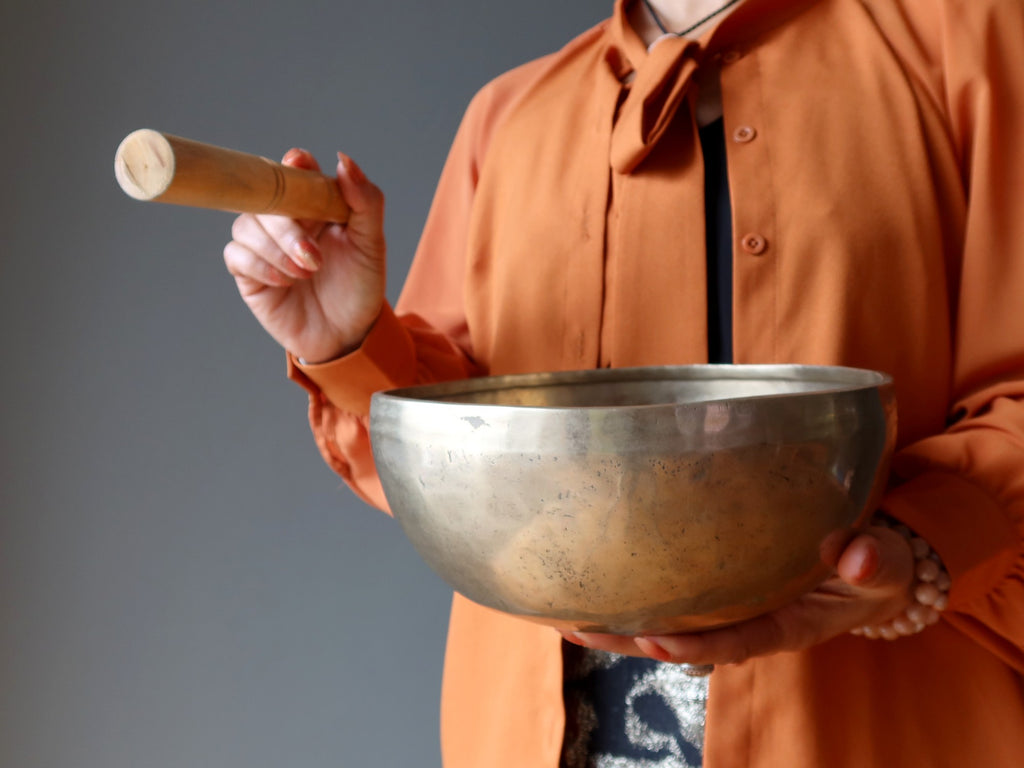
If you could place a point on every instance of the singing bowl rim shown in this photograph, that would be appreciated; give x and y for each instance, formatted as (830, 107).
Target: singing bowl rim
(833, 378)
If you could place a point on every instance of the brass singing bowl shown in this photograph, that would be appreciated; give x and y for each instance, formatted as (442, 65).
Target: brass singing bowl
(636, 501)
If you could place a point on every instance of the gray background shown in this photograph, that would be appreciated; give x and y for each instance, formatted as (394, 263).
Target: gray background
(183, 582)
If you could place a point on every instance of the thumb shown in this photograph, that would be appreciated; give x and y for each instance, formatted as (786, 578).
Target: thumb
(878, 559)
(362, 195)
(366, 203)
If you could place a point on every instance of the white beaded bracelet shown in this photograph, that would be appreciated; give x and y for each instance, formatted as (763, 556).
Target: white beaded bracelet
(931, 588)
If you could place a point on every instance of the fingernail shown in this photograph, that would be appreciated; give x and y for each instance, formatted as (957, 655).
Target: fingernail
(580, 638)
(307, 253)
(869, 560)
(653, 648)
(351, 168)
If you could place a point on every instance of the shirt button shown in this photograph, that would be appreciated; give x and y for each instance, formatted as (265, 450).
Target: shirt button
(754, 244)
(743, 134)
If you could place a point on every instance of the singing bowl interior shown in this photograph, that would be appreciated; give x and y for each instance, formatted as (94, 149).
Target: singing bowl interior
(637, 500)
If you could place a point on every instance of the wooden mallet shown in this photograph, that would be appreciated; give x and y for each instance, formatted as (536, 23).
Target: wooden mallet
(155, 166)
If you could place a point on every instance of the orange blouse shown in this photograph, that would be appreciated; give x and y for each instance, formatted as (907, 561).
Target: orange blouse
(876, 169)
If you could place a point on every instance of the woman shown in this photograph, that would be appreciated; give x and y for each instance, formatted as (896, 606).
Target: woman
(798, 181)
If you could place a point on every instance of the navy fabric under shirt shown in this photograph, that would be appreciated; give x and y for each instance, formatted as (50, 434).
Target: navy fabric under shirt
(718, 233)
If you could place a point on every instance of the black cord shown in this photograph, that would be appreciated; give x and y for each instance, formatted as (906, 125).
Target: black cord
(690, 28)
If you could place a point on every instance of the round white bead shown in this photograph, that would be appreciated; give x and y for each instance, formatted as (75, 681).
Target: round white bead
(927, 594)
(919, 614)
(927, 570)
(920, 548)
(904, 626)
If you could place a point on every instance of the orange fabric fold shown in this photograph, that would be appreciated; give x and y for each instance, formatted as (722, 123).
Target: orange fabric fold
(660, 86)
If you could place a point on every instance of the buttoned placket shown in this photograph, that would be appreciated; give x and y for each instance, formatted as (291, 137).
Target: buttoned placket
(755, 245)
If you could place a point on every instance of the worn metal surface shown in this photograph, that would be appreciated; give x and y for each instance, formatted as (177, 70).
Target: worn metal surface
(635, 500)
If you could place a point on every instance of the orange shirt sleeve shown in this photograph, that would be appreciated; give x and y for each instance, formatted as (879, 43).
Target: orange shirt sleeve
(426, 337)
(963, 490)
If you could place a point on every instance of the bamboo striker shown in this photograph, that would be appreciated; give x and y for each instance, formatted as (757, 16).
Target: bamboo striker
(155, 166)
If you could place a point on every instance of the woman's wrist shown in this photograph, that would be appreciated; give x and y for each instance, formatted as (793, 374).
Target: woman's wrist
(330, 358)
(929, 590)
(342, 348)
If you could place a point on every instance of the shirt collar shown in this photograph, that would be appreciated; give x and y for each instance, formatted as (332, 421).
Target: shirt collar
(627, 50)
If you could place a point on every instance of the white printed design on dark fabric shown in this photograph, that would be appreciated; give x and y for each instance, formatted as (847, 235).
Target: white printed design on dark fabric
(623, 712)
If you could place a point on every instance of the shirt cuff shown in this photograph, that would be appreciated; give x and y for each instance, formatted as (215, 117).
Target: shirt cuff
(967, 528)
(385, 360)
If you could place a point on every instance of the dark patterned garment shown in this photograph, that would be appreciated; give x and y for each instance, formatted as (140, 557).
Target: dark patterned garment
(624, 712)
